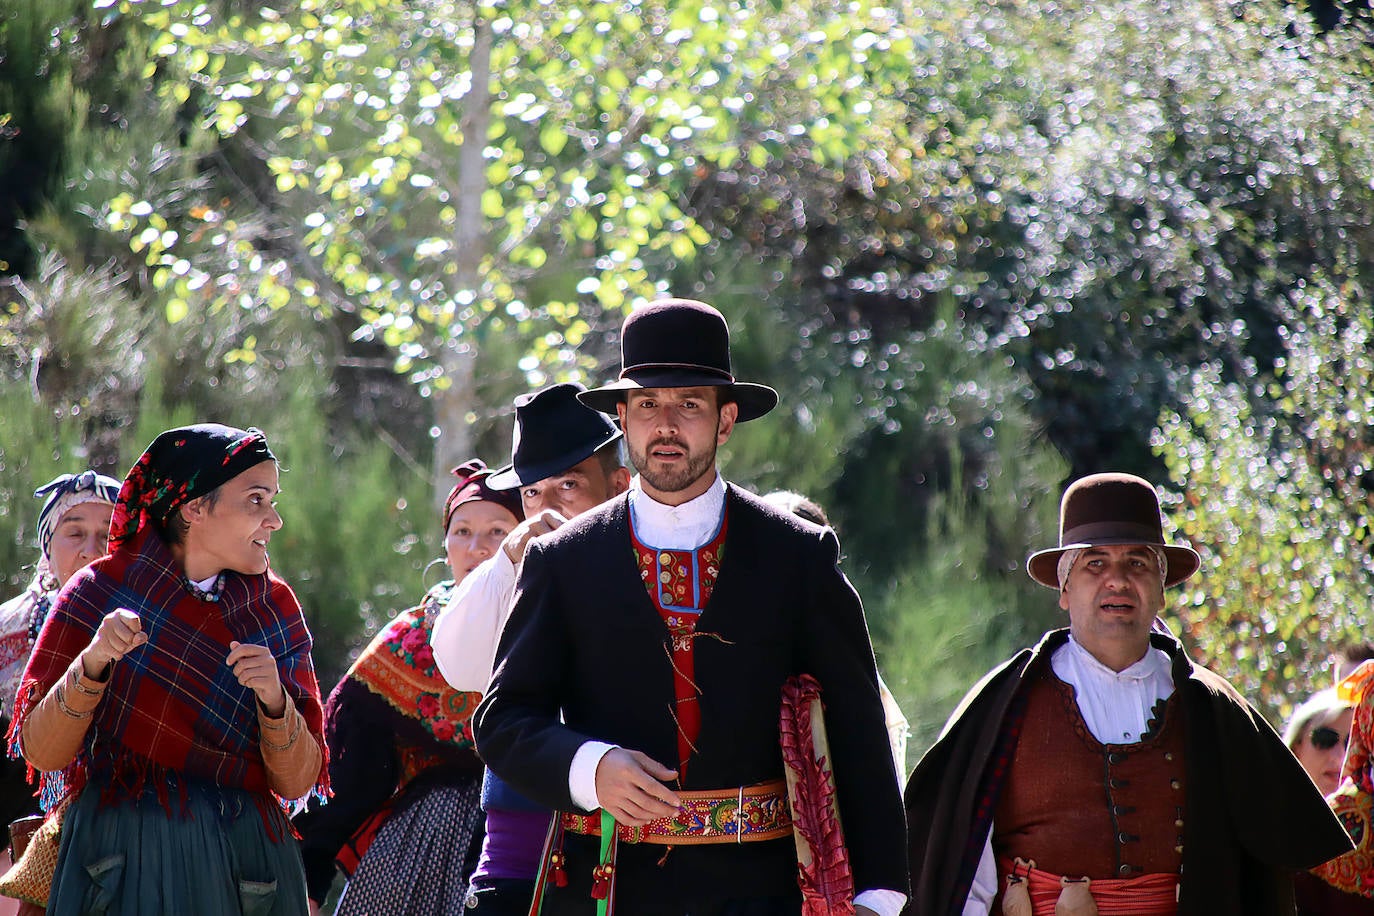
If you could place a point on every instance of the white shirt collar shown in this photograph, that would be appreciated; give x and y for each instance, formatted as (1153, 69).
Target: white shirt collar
(683, 527)
(207, 585)
(1154, 663)
(1116, 705)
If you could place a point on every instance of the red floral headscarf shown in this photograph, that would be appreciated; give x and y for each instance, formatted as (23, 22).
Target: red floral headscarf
(472, 486)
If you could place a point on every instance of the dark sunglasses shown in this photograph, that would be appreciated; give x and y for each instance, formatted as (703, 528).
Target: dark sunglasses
(1324, 738)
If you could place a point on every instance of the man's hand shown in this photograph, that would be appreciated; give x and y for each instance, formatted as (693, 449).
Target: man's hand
(119, 633)
(256, 669)
(519, 538)
(628, 786)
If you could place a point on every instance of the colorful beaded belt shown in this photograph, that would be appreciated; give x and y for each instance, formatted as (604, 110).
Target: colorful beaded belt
(749, 814)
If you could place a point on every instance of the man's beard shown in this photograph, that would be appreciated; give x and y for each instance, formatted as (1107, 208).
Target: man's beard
(678, 478)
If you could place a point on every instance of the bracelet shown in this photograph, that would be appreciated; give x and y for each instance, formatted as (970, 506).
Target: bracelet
(267, 723)
(67, 710)
(82, 688)
(291, 739)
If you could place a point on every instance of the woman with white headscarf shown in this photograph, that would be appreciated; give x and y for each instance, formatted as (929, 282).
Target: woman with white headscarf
(73, 530)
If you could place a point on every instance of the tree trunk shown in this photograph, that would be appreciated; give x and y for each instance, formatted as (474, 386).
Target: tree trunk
(454, 404)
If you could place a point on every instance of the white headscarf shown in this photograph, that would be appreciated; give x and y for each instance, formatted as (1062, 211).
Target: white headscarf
(65, 492)
(1070, 557)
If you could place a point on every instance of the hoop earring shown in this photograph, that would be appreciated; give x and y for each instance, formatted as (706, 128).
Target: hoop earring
(424, 574)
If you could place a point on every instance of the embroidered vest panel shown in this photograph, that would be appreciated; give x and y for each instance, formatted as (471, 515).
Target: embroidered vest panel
(680, 583)
(1084, 809)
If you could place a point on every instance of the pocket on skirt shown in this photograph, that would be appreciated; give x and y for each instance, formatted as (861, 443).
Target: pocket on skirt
(106, 876)
(256, 898)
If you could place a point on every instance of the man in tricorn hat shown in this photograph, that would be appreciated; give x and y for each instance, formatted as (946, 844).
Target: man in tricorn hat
(1103, 769)
(565, 460)
(640, 674)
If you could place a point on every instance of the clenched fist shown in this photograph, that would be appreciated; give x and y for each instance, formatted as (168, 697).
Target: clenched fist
(119, 633)
(515, 543)
(256, 669)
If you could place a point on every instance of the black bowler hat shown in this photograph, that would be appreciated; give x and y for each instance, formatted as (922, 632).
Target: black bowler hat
(679, 343)
(553, 432)
(1105, 509)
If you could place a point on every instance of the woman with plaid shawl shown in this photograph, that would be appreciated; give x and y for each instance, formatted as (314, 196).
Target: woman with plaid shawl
(170, 702)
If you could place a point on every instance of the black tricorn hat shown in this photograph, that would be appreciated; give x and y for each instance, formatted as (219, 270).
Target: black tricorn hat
(679, 343)
(1103, 509)
(553, 432)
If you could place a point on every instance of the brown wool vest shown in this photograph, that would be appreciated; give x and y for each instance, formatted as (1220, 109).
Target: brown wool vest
(1082, 808)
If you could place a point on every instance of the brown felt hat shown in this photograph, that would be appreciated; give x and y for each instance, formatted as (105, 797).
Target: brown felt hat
(679, 343)
(1103, 509)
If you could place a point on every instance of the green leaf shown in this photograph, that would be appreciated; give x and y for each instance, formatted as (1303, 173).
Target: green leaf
(553, 137)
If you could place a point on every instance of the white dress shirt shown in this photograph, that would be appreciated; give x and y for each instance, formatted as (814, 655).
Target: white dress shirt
(468, 628)
(1116, 707)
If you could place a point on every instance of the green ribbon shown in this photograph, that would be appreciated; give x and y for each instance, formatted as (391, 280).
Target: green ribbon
(603, 906)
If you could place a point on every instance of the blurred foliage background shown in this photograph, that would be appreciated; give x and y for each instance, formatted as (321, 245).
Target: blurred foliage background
(980, 247)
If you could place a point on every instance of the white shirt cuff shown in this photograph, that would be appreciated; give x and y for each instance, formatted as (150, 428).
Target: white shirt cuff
(984, 888)
(582, 774)
(884, 903)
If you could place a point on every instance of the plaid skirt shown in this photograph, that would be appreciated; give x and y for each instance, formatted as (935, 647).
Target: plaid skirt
(421, 859)
(228, 853)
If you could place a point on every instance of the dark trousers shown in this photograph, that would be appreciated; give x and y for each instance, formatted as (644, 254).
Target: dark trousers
(501, 897)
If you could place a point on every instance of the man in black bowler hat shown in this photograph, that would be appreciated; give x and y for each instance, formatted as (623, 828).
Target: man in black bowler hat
(1102, 770)
(565, 460)
(639, 678)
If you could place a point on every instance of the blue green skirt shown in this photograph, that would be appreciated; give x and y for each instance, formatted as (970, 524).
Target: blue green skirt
(213, 856)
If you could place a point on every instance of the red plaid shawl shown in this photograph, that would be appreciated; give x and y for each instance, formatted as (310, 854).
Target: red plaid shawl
(173, 709)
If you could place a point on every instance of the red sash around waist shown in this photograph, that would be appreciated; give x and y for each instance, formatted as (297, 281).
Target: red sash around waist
(1143, 895)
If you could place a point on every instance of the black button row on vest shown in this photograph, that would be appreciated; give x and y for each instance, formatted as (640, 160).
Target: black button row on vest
(1116, 757)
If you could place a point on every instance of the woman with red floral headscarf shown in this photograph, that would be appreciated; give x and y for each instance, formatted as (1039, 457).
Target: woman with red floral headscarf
(403, 823)
(170, 702)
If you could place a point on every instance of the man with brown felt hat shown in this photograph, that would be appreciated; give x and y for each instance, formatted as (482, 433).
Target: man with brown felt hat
(1103, 769)
(639, 678)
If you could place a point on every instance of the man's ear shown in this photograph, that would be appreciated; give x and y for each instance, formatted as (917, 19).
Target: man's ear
(728, 412)
(620, 481)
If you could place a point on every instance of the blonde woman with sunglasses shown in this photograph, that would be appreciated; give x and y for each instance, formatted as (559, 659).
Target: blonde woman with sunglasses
(1317, 735)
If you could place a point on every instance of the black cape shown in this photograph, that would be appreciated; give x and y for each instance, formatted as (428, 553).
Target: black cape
(1253, 816)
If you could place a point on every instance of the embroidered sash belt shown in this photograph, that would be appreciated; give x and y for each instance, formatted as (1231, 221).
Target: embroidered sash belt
(749, 814)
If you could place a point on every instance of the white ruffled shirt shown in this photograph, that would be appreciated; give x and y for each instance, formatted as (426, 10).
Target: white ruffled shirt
(467, 630)
(1116, 707)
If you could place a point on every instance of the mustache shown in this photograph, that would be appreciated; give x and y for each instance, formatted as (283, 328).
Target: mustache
(671, 443)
